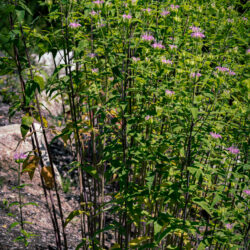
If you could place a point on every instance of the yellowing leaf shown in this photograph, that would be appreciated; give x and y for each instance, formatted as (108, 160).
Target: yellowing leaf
(138, 241)
(30, 164)
(47, 175)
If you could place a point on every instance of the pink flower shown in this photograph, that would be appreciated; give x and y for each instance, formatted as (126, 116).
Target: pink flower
(98, 2)
(147, 10)
(231, 73)
(19, 156)
(214, 135)
(172, 6)
(158, 45)
(165, 13)
(148, 117)
(244, 19)
(169, 92)
(193, 75)
(229, 20)
(247, 191)
(147, 37)
(248, 51)
(195, 29)
(93, 13)
(233, 150)
(74, 25)
(172, 46)
(95, 70)
(222, 69)
(92, 55)
(229, 226)
(99, 25)
(135, 59)
(197, 35)
(163, 60)
(126, 16)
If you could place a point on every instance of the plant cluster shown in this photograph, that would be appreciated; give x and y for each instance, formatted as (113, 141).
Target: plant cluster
(155, 105)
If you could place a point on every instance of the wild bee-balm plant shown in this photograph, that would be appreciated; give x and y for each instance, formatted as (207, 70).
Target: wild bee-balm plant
(154, 100)
(24, 236)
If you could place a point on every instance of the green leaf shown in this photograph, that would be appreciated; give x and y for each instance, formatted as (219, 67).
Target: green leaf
(203, 204)
(194, 112)
(25, 7)
(150, 179)
(92, 171)
(26, 123)
(201, 246)
(73, 214)
(20, 15)
(15, 203)
(157, 227)
(14, 224)
(29, 203)
(39, 80)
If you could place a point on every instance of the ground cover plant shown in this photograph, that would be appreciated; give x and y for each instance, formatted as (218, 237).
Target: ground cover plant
(154, 99)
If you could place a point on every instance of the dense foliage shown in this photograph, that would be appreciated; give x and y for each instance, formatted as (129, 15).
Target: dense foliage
(155, 105)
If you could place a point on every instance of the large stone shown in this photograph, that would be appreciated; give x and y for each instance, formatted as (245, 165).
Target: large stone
(11, 142)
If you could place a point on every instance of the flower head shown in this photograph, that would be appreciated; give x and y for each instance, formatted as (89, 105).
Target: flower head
(147, 37)
(193, 74)
(166, 61)
(148, 117)
(93, 13)
(169, 92)
(197, 35)
(95, 70)
(248, 51)
(128, 16)
(231, 73)
(98, 2)
(19, 156)
(222, 69)
(172, 46)
(158, 45)
(214, 135)
(172, 6)
(135, 59)
(147, 10)
(229, 226)
(75, 25)
(165, 13)
(92, 55)
(195, 29)
(233, 150)
(247, 191)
